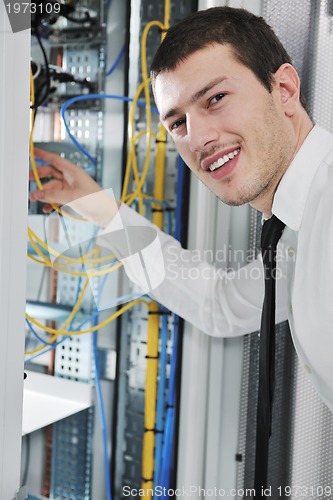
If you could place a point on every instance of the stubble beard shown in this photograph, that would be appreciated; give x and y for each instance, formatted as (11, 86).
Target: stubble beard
(276, 150)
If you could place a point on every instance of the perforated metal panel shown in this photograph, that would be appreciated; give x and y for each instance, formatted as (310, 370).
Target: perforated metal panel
(312, 436)
(83, 61)
(74, 358)
(72, 457)
(86, 127)
(320, 89)
(301, 448)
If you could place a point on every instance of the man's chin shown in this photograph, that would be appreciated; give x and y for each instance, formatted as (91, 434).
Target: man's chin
(235, 201)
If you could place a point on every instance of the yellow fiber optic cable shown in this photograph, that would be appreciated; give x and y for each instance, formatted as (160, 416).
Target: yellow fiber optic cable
(76, 307)
(145, 87)
(139, 180)
(64, 325)
(95, 261)
(150, 400)
(161, 140)
(30, 256)
(69, 318)
(40, 348)
(144, 67)
(132, 162)
(92, 329)
(153, 321)
(88, 273)
(70, 260)
(167, 12)
(133, 139)
(160, 174)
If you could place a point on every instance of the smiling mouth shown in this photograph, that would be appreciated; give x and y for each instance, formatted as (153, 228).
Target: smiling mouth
(223, 160)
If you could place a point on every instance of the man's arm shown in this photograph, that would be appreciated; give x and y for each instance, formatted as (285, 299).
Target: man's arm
(215, 301)
(219, 303)
(70, 185)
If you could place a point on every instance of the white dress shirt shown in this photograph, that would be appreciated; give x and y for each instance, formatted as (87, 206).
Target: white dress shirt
(229, 304)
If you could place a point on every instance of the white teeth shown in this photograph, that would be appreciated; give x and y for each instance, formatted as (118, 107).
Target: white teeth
(221, 161)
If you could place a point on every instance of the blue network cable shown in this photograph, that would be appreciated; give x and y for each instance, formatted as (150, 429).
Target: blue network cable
(88, 97)
(33, 331)
(102, 414)
(55, 344)
(179, 196)
(166, 459)
(160, 400)
(116, 62)
(99, 388)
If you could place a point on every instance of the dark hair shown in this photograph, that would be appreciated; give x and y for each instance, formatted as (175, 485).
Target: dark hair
(253, 41)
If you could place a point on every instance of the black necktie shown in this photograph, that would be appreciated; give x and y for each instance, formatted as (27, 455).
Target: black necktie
(271, 233)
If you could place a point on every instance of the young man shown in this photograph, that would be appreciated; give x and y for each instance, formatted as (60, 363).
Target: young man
(230, 99)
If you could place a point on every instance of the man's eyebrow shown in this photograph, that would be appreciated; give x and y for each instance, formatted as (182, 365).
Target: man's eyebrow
(206, 89)
(195, 97)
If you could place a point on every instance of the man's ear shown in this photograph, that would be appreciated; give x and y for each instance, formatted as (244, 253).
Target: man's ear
(286, 82)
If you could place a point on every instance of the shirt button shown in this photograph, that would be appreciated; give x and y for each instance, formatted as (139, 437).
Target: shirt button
(308, 369)
(291, 309)
(291, 251)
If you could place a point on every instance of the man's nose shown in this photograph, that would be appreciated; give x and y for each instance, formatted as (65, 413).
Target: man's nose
(201, 132)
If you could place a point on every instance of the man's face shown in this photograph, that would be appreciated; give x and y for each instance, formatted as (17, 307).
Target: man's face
(227, 127)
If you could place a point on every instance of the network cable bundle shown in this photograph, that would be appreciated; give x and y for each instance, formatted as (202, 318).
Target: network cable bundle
(71, 333)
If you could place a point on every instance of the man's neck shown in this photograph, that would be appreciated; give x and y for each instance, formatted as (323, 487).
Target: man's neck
(264, 202)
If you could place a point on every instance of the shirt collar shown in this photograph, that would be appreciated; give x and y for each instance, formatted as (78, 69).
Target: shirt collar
(293, 189)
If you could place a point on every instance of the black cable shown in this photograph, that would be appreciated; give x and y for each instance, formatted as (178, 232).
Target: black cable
(42, 93)
(87, 19)
(185, 206)
(27, 460)
(47, 83)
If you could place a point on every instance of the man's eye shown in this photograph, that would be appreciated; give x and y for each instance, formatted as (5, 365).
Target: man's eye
(177, 124)
(216, 98)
